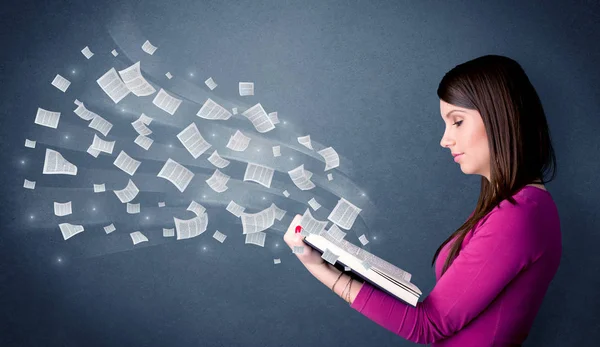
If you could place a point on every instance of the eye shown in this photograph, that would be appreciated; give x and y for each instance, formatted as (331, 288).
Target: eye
(458, 123)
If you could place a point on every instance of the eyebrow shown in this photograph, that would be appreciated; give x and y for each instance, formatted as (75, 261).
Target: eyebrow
(448, 114)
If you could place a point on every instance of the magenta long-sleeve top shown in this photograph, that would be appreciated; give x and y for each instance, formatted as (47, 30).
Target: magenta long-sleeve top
(493, 290)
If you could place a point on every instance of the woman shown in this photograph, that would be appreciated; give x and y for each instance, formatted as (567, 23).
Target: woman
(493, 272)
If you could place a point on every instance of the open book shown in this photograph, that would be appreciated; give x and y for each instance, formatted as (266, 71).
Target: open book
(370, 268)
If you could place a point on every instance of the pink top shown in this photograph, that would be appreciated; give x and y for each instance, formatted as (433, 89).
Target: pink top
(493, 290)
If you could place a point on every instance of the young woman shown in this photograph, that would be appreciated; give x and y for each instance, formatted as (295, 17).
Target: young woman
(493, 272)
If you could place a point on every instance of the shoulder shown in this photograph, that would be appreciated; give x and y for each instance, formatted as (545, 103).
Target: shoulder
(519, 221)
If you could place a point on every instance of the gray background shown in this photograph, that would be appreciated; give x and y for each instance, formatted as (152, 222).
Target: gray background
(356, 75)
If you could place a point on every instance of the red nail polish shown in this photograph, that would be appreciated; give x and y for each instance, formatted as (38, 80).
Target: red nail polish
(298, 229)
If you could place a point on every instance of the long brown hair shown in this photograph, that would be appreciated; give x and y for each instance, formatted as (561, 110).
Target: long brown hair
(515, 123)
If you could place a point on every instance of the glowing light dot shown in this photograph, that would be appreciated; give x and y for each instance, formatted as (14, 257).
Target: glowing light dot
(93, 209)
(291, 158)
(258, 150)
(203, 196)
(263, 197)
(22, 161)
(204, 248)
(59, 260)
(284, 122)
(213, 135)
(73, 71)
(276, 245)
(363, 194)
(122, 110)
(170, 146)
(191, 74)
(31, 217)
(147, 217)
(67, 137)
(374, 237)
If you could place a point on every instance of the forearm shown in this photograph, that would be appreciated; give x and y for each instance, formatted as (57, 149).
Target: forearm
(328, 274)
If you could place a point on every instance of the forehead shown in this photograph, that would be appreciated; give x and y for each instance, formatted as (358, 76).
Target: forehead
(447, 110)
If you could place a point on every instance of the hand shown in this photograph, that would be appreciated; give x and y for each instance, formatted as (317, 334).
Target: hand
(309, 258)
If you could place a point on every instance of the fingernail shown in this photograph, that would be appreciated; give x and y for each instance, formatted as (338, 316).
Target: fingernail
(298, 229)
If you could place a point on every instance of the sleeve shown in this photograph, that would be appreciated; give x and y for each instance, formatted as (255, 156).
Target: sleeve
(499, 249)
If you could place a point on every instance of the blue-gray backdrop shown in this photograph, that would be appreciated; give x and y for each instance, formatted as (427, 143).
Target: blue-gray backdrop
(359, 76)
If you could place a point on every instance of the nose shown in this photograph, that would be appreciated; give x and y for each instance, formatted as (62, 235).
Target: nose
(446, 141)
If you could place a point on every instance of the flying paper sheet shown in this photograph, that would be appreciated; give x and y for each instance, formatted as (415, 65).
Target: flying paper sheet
(169, 76)
(214, 111)
(273, 117)
(256, 222)
(135, 82)
(55, 164)
(87, 52)
(145, 119)
(176, 174)
(217, 160)
(276, 151)
(149, 48)
(168, 232)
(29, 184)
(84, 113)
(256, 239)
(238, 142)
(187, 229)
(133, 208)
(279, 213)
(311, 225)
(114, 53)
(101, 124)
(276, 261)
(69, 230)
(140, 127)
(166, 102)
(314, 204)
(218, 181)
(210, 83)
(128, 193)
(61, 83)
(336, 233)
(344, 214)
(30, 143)
(363, 239)
(259, 118)
(94, 153)
(109, 228)
(99, 188)
(62, 209)
(329, 256)
(113, 86)
(301, 178)
(235, 209)
(193, 141)
(219, 236)
(332, 159)
(47, 118)
(102, 145)
(260, 174)
(246, 88)
(196, 208)
(126, 163)
(305, 141)
(138, 237)
(143, 141)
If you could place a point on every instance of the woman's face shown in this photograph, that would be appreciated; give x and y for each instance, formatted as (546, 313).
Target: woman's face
(465, 133)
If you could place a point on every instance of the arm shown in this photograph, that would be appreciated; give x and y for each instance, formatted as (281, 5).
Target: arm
(328, 274)
(500, 248)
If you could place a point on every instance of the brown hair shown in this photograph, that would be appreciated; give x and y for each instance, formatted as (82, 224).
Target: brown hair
(518, 135)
